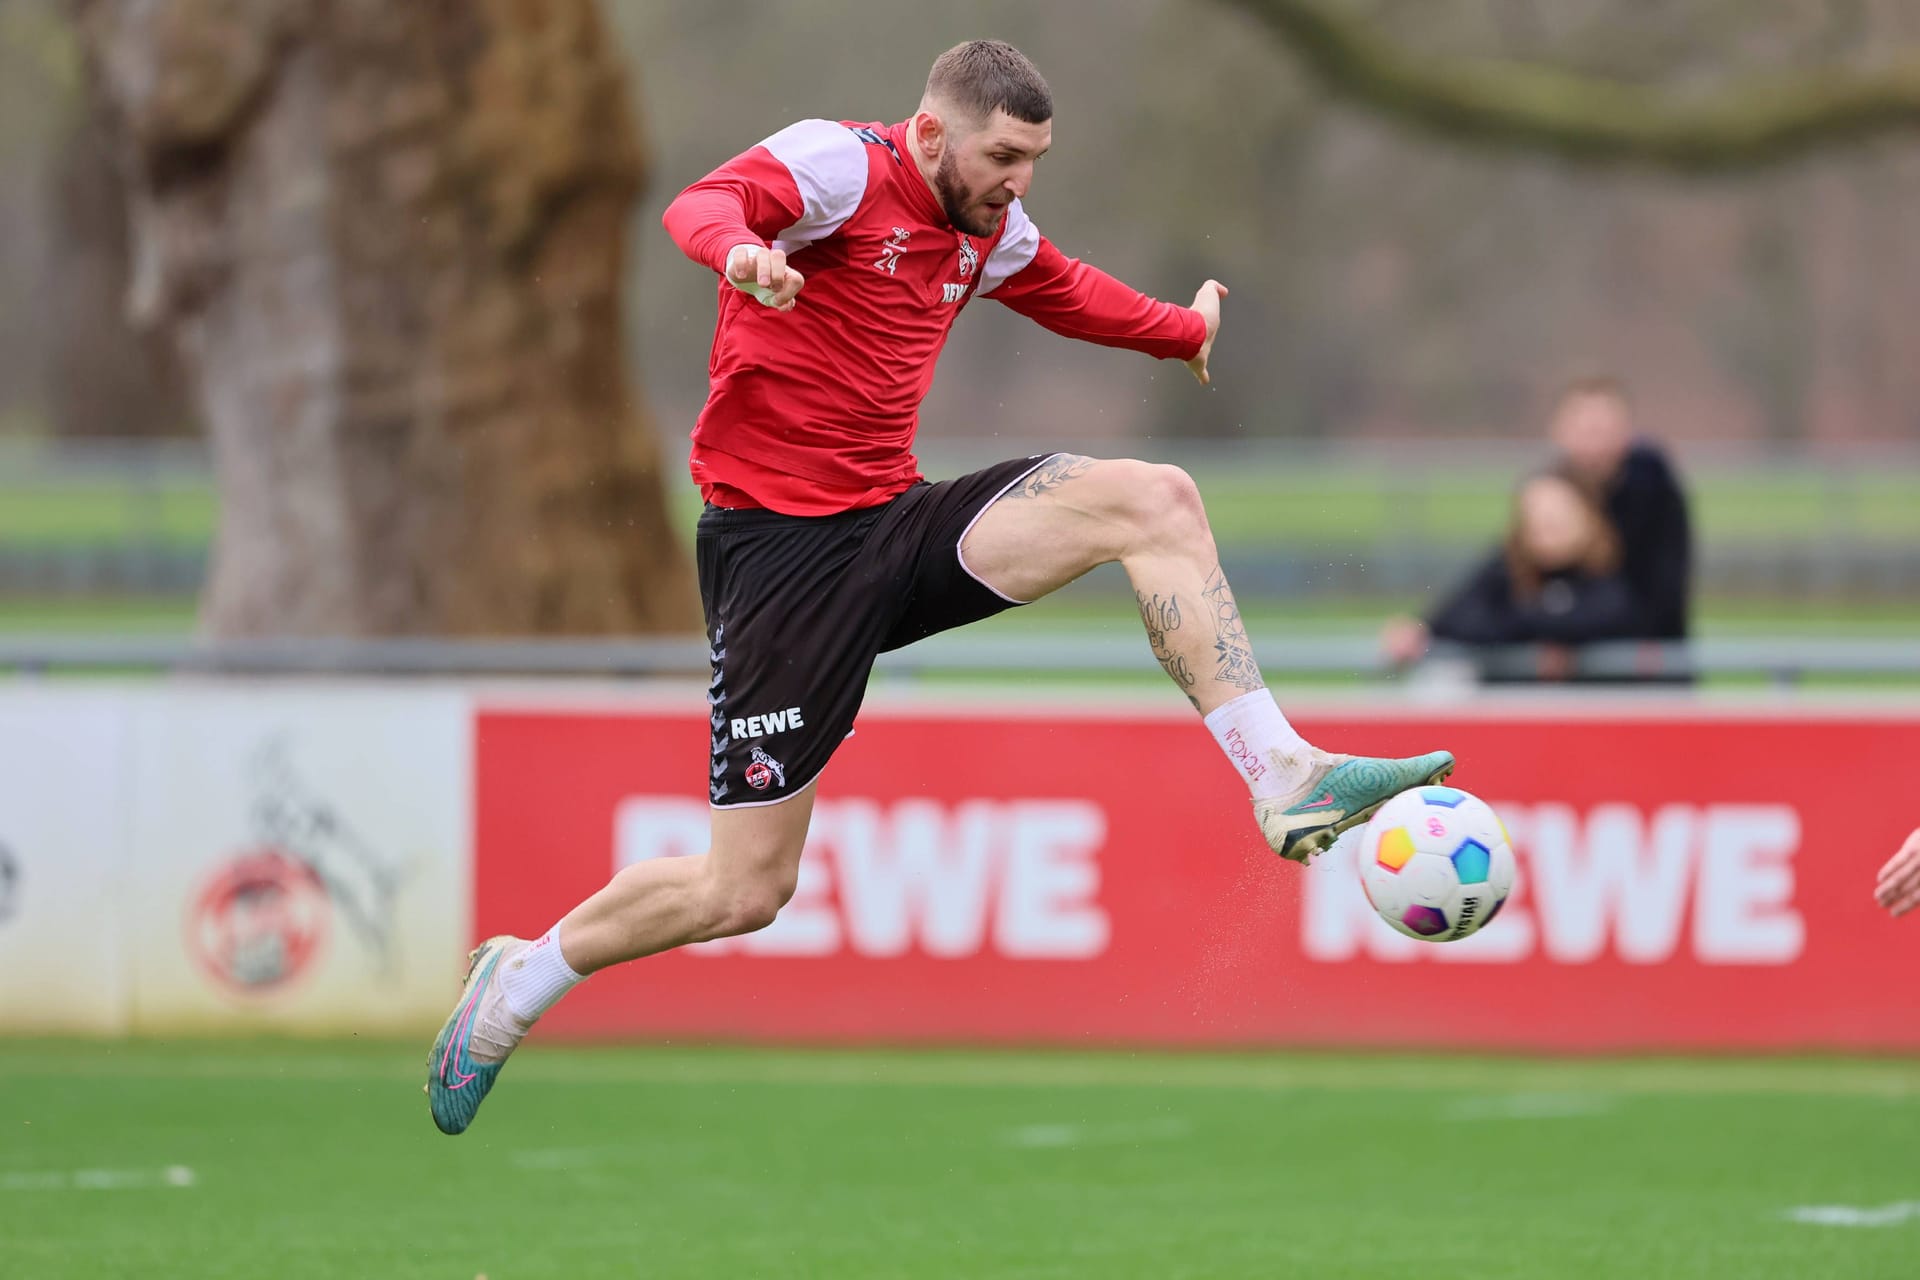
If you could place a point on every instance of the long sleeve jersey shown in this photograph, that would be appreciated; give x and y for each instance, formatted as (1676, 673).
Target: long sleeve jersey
(813, 411)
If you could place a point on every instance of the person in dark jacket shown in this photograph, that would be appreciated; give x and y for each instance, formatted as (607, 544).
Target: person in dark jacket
(1555, 580)
(1646, 596)
(1592, 427)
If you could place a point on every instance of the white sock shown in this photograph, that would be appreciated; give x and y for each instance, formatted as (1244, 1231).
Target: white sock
(1269, 753)
(535, 978)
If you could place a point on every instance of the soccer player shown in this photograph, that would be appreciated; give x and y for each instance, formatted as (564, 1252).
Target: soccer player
(1898, 886)
(845, 252)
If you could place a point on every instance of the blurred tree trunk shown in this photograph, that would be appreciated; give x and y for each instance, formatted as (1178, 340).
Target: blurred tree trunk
(387, 240)
(104, 379)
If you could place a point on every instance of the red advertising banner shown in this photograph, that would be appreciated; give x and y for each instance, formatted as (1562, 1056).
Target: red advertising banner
(1688, 879)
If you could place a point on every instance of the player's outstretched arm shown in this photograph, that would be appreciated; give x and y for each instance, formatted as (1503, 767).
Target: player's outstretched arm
(1898, 889)
(1076, 300)
(1207, 303)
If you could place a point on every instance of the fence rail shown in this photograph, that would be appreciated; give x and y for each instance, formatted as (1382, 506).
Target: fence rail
(1781, 660)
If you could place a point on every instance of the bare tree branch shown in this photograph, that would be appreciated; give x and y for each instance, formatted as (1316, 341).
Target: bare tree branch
(1763, 120)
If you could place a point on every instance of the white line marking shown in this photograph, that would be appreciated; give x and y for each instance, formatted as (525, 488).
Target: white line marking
(1846, 1215)
(1095, 1135)
(1531, 1106)
(174, 1175)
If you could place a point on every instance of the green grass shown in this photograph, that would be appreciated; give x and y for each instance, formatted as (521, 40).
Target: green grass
(1075, 611)
(1343, 506)
(1327, 504)
(178, 513)
(320, 1161)
(104, 615)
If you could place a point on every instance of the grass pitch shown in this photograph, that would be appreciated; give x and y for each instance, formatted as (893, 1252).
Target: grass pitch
(1259, 498)
(247, 1160)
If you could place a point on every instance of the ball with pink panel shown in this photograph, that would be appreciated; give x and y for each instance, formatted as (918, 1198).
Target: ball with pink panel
(1436, 863)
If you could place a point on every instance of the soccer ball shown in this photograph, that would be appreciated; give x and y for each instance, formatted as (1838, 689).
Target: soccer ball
(1436, 863)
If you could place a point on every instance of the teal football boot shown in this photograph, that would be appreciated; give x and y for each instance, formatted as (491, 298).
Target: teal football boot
(456, 1083)
(1343, 793)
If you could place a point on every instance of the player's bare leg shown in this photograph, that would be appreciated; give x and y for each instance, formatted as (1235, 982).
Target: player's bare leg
(738, 886)
(1072, 514)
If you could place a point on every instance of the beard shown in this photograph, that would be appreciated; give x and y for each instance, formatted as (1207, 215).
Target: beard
(962, 211)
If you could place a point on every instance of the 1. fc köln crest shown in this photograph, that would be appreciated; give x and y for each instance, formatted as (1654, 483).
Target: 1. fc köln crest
(765, 770)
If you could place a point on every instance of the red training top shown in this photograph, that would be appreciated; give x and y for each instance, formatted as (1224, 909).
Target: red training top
(813, 411)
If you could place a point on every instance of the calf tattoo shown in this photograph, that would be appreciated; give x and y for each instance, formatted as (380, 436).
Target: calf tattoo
(1050, 475)
(1162, 616)
(1231, 649)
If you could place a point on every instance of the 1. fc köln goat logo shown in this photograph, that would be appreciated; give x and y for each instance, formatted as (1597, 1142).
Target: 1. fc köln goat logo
(969, 258)
(764, 770)
(890, 251)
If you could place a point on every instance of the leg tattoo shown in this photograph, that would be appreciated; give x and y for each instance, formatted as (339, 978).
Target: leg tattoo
(1230, 646)
(1050, 475)
(1160, 617)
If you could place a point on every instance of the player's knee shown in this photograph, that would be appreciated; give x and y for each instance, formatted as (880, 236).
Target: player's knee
(756, 908)
(749, 905)
(1166, 505)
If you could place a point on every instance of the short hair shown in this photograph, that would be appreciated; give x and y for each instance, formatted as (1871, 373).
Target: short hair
(1602, 386)
(981, 75)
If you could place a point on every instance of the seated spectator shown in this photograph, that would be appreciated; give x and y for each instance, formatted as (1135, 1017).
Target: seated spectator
(1556, 580)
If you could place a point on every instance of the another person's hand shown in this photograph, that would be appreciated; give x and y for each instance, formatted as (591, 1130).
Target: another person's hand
(1898, 889)
(1404, 640)
(764, 273)
(1554, 662)
(1207, 303)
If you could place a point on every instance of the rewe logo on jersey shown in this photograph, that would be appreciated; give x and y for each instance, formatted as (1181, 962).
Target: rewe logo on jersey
(767, 725)
(890, 251)
(1012, 878)
(1617, 882)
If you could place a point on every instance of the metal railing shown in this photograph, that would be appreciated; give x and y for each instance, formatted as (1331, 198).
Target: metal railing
(1779, 660)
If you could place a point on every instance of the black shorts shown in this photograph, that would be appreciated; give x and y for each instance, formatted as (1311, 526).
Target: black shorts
(798, 607)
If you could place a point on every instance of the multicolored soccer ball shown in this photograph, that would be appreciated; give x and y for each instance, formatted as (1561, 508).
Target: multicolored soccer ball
(1436, 863)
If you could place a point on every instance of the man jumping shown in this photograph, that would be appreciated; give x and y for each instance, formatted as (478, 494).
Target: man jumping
(845, 252)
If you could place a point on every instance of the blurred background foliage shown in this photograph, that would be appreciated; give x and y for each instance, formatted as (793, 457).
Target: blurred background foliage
(1391, 287)
(1388, 283)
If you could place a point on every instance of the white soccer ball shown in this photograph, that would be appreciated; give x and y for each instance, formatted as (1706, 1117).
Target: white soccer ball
(1436, 863)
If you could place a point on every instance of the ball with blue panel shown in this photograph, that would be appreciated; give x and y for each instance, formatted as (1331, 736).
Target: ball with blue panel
(1436, 863)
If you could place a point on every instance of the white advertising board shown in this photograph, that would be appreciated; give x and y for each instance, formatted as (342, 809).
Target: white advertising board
(63, 789)
(300, 857)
